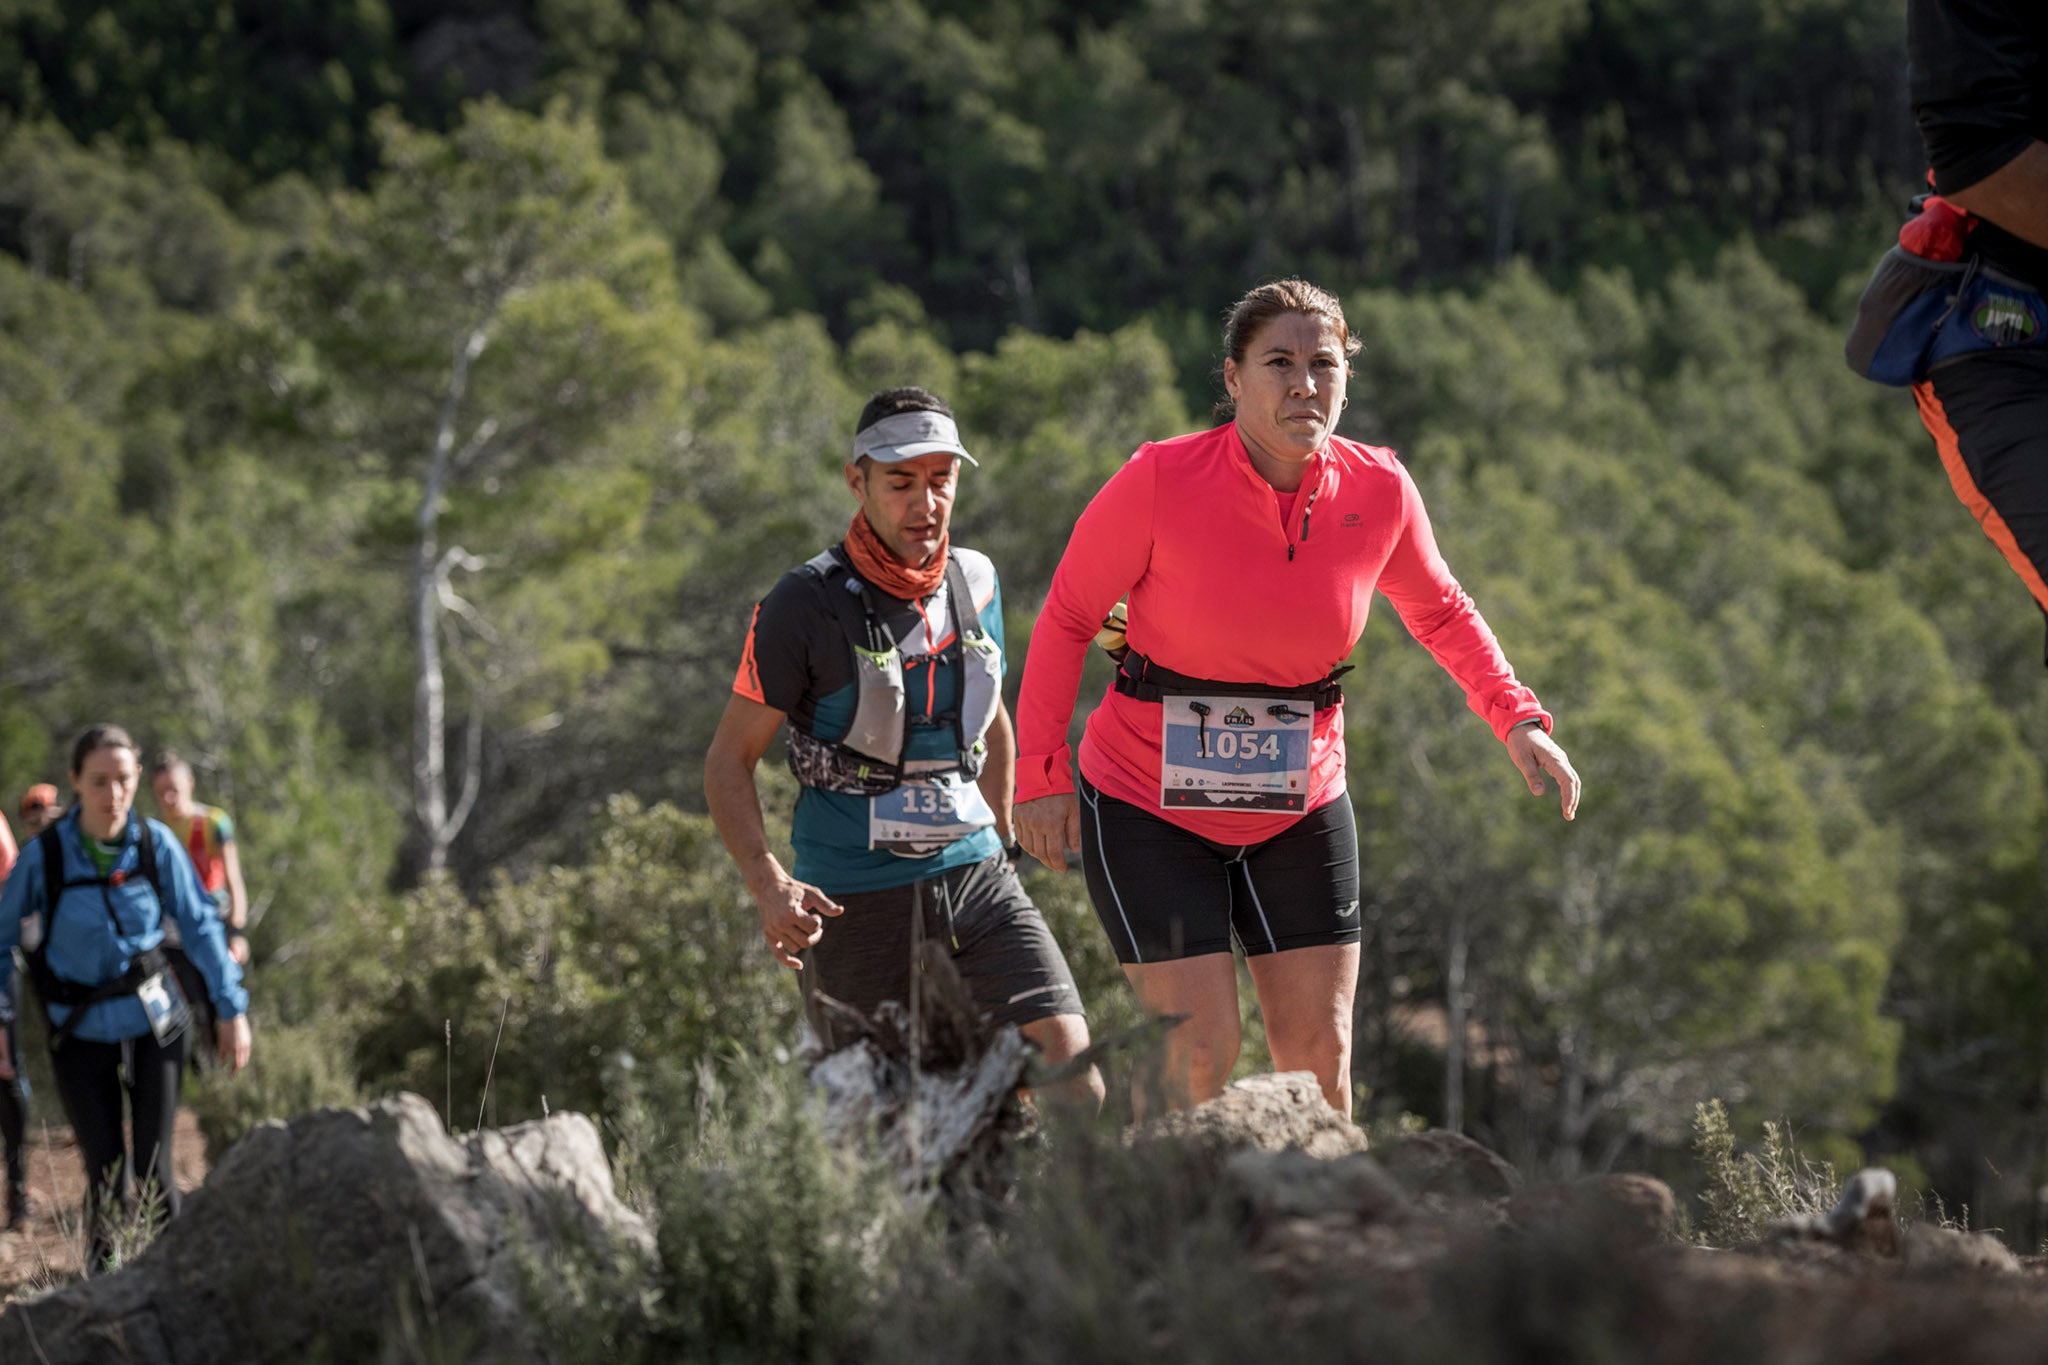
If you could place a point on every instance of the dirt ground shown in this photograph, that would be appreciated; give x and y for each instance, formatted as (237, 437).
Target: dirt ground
(48, 1251)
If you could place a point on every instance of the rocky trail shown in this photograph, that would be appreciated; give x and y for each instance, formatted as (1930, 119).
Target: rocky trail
(1429, 1248)
(49, 1249)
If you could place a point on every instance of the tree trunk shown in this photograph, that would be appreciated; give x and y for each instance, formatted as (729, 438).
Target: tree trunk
(1454, 1021)
(430, 707)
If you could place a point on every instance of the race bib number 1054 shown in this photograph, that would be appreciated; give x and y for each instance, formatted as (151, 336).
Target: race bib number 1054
(1234, 753)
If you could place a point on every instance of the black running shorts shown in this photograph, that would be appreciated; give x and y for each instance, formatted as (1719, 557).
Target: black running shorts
(1164, 893)
(1003, 947)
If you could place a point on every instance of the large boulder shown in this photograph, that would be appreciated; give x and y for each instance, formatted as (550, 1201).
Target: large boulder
(1625, 1207)
(1285, 1112)
(1440, 1162)
(311, 1237)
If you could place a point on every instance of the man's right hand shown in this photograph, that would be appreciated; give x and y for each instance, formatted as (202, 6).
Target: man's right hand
(791, 916)
(1049, 828)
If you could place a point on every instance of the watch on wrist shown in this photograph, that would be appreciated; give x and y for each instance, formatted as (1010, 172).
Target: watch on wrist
(1013, 851)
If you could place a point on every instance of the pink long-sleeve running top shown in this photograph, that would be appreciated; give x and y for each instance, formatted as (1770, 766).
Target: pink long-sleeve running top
(1230, 580)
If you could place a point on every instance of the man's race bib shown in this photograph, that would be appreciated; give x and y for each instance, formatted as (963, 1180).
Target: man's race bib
(923, 816)
(1234, 753)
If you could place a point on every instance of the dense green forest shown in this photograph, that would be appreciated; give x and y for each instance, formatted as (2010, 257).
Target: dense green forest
(519, 345)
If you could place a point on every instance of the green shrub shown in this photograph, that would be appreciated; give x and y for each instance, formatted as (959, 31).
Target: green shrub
(648, 953)
(292, 1069)
(774, 1244)
(1746, 1193)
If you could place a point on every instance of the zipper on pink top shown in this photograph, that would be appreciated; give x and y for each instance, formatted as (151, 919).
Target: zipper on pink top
(1310, 507)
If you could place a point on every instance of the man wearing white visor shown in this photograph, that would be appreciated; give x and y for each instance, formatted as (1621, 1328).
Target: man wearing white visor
(885, 655)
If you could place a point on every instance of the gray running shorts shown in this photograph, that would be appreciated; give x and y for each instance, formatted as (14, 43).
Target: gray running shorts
(1003, 947)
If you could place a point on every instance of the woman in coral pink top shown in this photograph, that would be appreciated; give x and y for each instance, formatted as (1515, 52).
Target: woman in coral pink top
(1209, 804)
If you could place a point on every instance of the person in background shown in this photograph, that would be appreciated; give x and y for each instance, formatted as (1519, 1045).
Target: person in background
(1979, 86)
(40, 808)
(208, 837)
(14, 1086)
(88, 903)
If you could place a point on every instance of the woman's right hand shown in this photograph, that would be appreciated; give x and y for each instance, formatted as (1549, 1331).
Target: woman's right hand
(1049, 827)
(233, 1036)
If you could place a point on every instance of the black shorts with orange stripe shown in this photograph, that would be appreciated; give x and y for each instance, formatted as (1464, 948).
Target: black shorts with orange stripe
(1165, 893)
(1988, 414)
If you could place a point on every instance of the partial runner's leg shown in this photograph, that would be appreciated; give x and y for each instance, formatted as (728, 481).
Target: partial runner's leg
(14, 1128)
(1306, 996)
(88, 1078)
(1988, 414)
(1203, 1047)
(153, 1100)
(1011, 963)
(1061, 1038)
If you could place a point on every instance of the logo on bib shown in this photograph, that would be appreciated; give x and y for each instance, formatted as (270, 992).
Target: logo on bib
(2004, 320)
(1239, 716)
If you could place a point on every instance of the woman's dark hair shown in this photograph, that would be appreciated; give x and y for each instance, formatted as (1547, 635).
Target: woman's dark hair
(1249, 315)
(97, 737)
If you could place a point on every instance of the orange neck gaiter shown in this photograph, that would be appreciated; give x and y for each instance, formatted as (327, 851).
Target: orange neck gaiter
(872, 561)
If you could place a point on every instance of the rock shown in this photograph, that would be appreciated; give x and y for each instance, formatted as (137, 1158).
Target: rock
(309, 1235)
(1265, 1188)
(1277, 1113)
(1438, 1161)
(1861, 1219)
(1634, 1209)
(1931, 1250)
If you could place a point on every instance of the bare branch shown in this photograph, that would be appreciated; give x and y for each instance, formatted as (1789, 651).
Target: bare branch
(474, 446)
(472, 769)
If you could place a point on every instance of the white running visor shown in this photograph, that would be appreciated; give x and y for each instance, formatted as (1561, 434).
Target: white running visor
(907, 435)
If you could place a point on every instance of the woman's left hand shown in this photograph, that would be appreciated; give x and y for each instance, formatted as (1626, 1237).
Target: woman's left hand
(234, 1036)
(1536, 753)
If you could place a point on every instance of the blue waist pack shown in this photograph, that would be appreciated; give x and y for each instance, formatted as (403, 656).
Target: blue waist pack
(1916, 313)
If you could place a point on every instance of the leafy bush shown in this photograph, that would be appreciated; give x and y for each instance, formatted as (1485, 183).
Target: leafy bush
(292, 1069)
(541, 994)
(773, 1244)
(1747, 1192)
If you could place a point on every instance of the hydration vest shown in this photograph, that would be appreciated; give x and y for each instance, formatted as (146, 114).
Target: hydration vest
(76, 996)
(868, 760)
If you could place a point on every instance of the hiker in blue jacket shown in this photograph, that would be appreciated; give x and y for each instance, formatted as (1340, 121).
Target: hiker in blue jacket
(87, 902)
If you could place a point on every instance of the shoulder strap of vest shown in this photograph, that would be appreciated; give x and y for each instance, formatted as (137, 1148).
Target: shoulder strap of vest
(54, 883)
(145, 860)
(850, 599)
(966, 619)
(53, 874)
